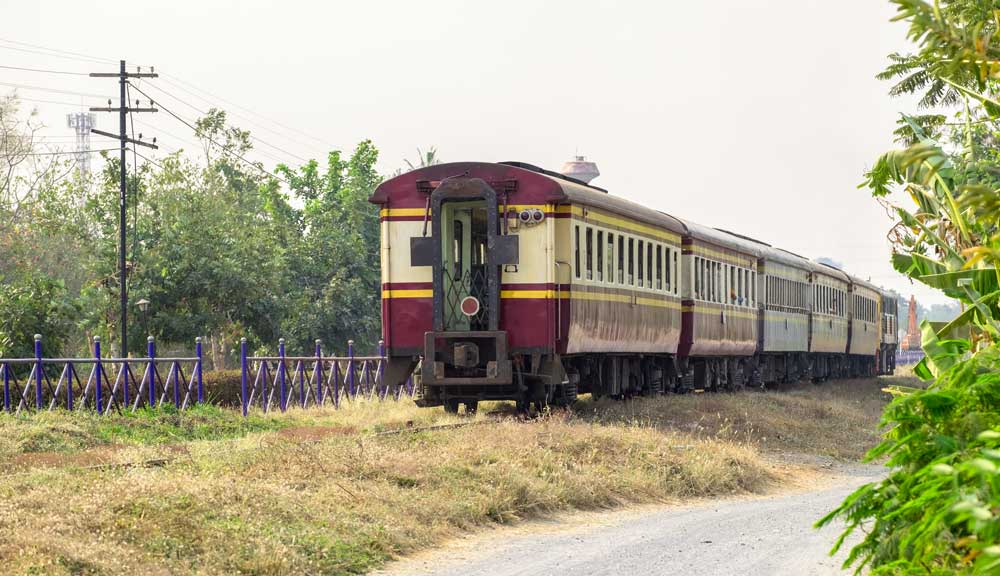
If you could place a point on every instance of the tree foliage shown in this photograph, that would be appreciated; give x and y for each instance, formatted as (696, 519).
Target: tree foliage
(221, 248)
(938, 512)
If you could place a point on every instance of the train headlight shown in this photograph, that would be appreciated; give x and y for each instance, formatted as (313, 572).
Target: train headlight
(531, 216)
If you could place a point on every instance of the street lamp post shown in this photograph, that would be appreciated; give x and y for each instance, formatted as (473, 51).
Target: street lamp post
(144, 308)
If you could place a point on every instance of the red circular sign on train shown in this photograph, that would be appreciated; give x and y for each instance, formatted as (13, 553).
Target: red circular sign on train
(470, 306)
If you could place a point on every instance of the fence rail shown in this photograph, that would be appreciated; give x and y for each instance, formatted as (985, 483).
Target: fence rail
(109, 384)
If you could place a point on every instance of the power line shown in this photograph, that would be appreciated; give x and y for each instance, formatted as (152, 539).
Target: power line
(185, 140)
(28, 51)
(55, 52)
(82, 105)
(252, 137)
(34, 48)
(135, 193)
(165, 78)
(53, 90)
(44, 70)
(61, 153)
(222, 148)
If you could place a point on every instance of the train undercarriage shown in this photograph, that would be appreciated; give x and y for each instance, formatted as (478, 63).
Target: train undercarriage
(540, 380)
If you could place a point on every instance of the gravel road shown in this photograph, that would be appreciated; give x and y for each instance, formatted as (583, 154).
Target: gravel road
(749, 536)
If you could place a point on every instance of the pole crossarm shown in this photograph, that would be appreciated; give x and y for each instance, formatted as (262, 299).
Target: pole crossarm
(126, 75)
(127, 109)
(126, 139)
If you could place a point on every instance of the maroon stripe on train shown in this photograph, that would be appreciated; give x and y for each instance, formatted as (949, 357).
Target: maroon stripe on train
(407, 285)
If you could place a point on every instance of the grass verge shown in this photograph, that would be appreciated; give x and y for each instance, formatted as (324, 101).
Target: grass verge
(315, 492)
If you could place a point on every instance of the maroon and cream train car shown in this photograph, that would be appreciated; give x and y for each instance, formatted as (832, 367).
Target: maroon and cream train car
(620, 287)
(506, 281)
(720, 316)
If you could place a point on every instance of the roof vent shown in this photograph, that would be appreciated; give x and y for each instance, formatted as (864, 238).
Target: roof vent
(580, 169)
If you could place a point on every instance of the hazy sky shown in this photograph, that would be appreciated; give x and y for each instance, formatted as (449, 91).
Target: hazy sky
(758, 117)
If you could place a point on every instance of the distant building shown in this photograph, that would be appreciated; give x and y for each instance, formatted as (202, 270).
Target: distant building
(912, 339)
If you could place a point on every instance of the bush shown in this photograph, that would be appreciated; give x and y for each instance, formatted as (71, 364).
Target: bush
(223, 387)
(937, 510)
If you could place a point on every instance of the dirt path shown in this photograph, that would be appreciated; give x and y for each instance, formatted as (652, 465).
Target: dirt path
(770, 535)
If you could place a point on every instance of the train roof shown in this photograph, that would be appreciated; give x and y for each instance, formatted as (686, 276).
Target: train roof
(724, 239)
(578, 192)
(780, 255)
(831, 271)
(866, 284)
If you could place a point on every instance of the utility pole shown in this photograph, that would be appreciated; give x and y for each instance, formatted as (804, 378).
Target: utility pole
(123, 111)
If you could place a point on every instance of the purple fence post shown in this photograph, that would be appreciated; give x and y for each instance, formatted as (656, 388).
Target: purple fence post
(350, 369)
(198, 368)
(126, 370)
(380, 370)
(336, 383)
(6, 386)
(243, 374)
(281, 372)
(69, 386)
(319, 372)
(301, 369)
(175, 368)
(151, 354)
(38, 371)
(98, 376)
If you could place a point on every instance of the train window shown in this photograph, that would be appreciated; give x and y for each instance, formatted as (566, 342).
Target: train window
(720, 279)
(600, 256)
(611, 258)
(641, 267)
(676, 268)
(588, 255)
(697, 277)
(705, 291)
(739, 287)
(716, 277)
(706, 281)
(576, 252)
(649, 264)
(711, 281)
(631, 261)
(667, 278)
(659, 267)
(733, 287)
(621, 259)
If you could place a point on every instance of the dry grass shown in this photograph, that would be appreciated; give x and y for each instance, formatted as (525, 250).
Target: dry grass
(314, 492)
(837, 419)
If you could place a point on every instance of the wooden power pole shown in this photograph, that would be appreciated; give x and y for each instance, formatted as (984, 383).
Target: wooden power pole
(123, 110)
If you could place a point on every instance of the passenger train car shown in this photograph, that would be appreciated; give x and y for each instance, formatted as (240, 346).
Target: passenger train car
(507, 281)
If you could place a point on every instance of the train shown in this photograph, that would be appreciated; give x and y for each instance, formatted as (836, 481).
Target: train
(506, 281)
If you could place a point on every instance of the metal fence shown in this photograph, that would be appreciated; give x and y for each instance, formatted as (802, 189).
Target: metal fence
(109, 384)
(269, 382)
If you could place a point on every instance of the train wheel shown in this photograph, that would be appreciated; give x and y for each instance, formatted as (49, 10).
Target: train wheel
(471, 407)
(451, 406)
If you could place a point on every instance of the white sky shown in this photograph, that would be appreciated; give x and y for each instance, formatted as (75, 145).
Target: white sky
(758, 117)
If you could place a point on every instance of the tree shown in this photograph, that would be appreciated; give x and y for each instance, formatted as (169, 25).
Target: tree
(337, 261)
(938, 511)
(424, 159)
